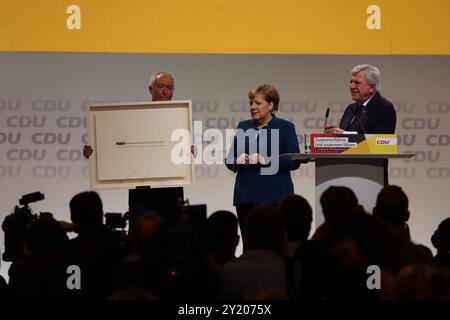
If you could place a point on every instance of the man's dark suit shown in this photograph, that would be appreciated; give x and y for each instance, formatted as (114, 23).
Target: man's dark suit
(378, 116)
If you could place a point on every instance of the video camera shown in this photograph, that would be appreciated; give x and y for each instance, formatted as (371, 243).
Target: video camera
(114, 220)
(30, 198)
(15, 225)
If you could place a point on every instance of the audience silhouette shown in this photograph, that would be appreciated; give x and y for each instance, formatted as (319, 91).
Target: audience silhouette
(171, 257)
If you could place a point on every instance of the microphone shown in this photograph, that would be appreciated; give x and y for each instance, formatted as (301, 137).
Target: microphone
(305, 138)
(327, 113)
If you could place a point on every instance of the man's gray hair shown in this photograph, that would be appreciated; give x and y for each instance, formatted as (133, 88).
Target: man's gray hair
(371, 73)
(153, 77)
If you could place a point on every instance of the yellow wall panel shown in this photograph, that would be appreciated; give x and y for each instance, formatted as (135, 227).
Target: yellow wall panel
(227, 26)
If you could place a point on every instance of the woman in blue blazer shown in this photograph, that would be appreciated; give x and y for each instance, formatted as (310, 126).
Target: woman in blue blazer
(261, 177)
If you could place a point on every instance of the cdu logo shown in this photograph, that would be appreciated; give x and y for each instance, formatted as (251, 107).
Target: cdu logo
(386, 141)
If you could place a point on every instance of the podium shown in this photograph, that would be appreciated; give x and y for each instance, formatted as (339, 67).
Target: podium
(363, 173)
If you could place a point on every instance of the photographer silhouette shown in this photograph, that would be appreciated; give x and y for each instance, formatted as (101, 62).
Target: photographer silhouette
(15, 225)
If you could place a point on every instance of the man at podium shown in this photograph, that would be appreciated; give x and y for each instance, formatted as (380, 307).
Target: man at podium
(371, 113)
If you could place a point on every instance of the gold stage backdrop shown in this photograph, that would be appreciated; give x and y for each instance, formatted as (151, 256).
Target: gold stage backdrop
(227, 26)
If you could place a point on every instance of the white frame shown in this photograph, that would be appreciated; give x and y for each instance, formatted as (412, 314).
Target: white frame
(97, 113)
